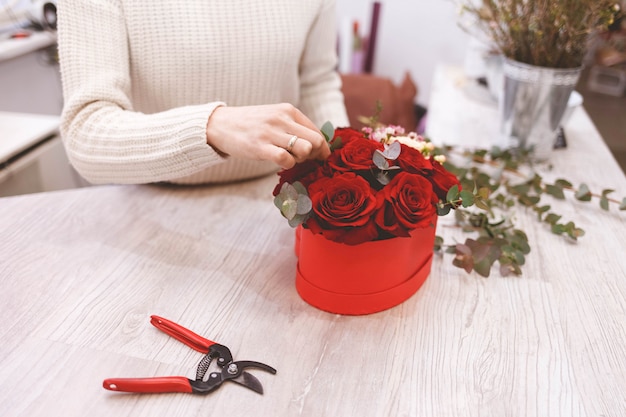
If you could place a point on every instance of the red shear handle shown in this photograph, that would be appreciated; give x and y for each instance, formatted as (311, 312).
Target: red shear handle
(182, 334)
(159, 384)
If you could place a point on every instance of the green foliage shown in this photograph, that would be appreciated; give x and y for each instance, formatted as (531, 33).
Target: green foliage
(381, 161)
(328, 130)
(294, 203)
(497, 187)
(492, 185)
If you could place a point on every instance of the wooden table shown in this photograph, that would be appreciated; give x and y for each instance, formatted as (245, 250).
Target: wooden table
(83, 270)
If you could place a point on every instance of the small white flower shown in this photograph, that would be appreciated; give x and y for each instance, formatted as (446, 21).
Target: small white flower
(379, 136)
(406, 140)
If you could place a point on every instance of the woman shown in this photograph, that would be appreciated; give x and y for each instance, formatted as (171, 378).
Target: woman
(196, 91)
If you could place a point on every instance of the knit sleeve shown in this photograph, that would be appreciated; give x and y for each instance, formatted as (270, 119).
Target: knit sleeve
(107, 141)
(320, 85)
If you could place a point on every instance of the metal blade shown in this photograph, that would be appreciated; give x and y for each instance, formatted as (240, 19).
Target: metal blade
(249, 381)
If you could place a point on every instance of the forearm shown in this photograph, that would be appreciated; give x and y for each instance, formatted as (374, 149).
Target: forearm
(110, 145)
(107, 141)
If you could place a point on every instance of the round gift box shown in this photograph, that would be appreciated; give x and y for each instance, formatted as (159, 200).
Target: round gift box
(365, 278)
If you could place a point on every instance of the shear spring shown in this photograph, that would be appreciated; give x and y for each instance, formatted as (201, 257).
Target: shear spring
(203, 367)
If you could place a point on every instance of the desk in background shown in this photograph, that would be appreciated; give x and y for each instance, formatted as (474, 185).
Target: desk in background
(83, 270)
(30, 81)
(32, 157)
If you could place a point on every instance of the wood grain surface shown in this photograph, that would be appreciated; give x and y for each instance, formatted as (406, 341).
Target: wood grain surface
(82, 271)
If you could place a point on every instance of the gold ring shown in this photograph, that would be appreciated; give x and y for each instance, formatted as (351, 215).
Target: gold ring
(292, 142)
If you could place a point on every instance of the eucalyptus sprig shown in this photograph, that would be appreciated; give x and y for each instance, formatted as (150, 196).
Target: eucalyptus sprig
(497, 186)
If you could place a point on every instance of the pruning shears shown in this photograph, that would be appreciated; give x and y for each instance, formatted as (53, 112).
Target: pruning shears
(229, 370)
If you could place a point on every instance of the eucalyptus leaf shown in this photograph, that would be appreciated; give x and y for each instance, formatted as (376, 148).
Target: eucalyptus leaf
(604, 203)
(542, 209)
(483, 267)
(563, 183)
(467, 198)
(583, 193)
(288, 192)
(505, 269)
(297, 221)
(304, 205)
(520, 259)
(278, 201)
(521, 188)
(484, 192)
(443, 209)
(555, 191)
(392, 151)
(383, 178)
(289, 209)
(521, 244)
(552, 218)
(575, 233)
(453, 193)
(481, 204)
(328, 131)
(483, 180)
(438, 243)
(528, 200)
(463, 258)
(335, 143)
(607, 192)
(379, 160)
(300, 188)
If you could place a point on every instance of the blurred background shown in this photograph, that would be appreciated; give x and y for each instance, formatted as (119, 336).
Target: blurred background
(392, 47)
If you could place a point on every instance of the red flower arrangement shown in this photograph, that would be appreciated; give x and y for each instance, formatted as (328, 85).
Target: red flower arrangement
(377, 184)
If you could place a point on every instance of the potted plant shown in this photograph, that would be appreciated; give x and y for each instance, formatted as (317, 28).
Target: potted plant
(366, 217)
(543, 33)
(544, 44)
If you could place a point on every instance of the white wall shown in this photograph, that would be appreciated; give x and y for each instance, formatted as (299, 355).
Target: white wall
(413, 35)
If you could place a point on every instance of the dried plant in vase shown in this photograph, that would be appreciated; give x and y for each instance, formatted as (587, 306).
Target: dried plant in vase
(544, 33)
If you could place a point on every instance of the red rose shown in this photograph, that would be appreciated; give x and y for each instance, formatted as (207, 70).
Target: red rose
(343, 208)
(442, 180)
(297, 173)
(347, 134)
(406, 203)
(355, 155)
(411, 160)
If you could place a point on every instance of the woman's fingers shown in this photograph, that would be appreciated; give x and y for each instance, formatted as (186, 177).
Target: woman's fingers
(307, 145)
(299, 148)
(279, 133)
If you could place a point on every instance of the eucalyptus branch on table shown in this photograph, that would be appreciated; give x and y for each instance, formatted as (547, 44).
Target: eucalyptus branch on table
(491, 186)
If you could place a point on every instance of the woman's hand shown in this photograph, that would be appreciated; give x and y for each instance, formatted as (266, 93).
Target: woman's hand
(265, 133)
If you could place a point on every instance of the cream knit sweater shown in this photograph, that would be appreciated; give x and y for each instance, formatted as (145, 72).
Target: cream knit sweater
(141, 78)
